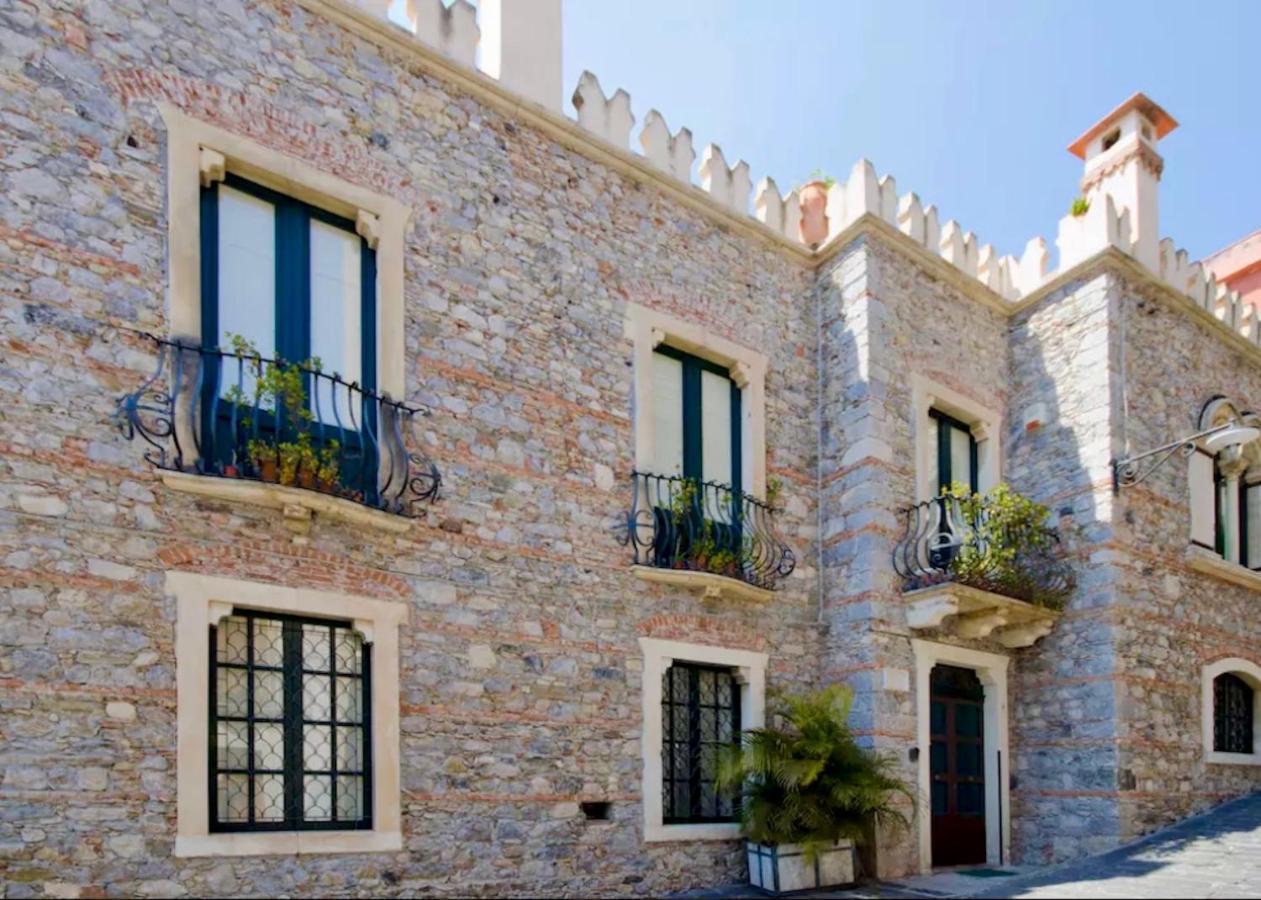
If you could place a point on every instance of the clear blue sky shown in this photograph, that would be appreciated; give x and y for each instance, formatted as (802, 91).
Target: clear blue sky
(969, 104)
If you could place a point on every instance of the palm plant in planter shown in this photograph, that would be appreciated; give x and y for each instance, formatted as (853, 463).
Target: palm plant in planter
(809, 793)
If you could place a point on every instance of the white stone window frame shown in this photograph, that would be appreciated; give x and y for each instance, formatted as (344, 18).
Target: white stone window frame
(1250, 672)
(985, 423)
(648, 329)
(199, 154)
(1202, 469)
(750, 671)
(991, 668)
(202, 601)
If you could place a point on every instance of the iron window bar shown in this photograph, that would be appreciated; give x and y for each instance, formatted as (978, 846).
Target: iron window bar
(267, 692)
(700, 713)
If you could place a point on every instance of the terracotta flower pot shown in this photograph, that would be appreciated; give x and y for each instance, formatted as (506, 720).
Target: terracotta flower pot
(814, 216)
(306, 479)
(267, 470)
(231, 471)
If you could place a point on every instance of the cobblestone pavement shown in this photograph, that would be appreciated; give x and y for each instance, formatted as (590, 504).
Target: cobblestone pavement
(1217, 854)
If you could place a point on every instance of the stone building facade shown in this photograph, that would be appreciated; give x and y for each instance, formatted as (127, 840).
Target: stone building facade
(531, 280)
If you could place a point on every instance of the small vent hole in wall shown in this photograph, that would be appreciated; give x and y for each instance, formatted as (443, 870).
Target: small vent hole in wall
(1110, 139)
(596, 810)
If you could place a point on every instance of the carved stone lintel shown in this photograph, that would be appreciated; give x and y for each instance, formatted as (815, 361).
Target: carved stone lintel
(368, 227)
(217, 611)
(297, 518)
(213, 166)
(980, 624)
(932, 612)
(365, 629)
(741, 375)
(1024, 635)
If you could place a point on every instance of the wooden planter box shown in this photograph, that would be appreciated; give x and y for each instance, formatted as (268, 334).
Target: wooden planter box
(785, 868)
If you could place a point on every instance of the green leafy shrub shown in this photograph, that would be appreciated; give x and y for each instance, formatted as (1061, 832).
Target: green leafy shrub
(1080, 207)
(829, 182)
(804, 780)
(1007, 547)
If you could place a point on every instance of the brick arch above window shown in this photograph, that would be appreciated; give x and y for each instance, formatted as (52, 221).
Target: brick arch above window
(1248, 672)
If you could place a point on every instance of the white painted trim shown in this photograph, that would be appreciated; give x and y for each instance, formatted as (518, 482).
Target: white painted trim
(647, 328)
(986, 425)
(658, 655)
(1249, 672)
(991, 668)
(188, 138)
(201, 600)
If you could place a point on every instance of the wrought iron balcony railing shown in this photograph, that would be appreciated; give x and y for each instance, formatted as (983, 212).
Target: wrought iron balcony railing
(240, 415)
(683, 523)
(978, 541)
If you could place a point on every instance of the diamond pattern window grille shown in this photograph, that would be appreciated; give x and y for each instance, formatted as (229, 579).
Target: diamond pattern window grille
(290, 727)
(700, 714)
(1232, 714)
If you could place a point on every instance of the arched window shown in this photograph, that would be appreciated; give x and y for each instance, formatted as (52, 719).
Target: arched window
(1226, 491)
(1232, 712)
(1233, 699)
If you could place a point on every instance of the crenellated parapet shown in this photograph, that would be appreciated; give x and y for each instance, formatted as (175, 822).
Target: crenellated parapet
(452, 29)
(518, 43)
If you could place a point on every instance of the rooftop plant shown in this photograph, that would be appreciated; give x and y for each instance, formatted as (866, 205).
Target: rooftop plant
(1080, 207)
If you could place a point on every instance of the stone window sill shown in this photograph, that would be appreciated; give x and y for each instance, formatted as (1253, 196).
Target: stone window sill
(715, 831)
(1213, 758)
(1206, 561)
(707, 584)
(296, 504)
(288, 843)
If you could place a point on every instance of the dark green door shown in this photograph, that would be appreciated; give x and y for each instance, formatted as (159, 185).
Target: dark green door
(957, 765)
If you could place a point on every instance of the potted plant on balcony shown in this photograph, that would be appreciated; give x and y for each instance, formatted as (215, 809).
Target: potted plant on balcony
(1005, 547)
(809, 793)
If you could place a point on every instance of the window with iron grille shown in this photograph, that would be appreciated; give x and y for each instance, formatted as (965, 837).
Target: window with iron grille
(700, 715)
(290, 725)
(1232, 715)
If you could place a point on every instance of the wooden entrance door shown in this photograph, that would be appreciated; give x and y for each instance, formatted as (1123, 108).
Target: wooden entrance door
(957, 765)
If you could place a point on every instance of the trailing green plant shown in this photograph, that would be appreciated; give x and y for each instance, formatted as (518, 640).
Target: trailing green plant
(1080, 207)
(774, 487)
(803, 779)
(1008, 548)
(282, 386)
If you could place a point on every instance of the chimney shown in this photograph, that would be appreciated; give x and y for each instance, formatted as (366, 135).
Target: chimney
(521, 47)
(1121, 160)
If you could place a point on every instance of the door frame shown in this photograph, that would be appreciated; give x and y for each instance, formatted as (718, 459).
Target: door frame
(991, 669)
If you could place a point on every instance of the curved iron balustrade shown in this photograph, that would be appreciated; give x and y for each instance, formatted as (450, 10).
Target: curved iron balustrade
(683, 523)
(938, 530)
(200, 412)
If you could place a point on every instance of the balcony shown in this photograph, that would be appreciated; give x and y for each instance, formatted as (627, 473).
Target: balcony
(704, 537)
(988, 563)
(235, 425)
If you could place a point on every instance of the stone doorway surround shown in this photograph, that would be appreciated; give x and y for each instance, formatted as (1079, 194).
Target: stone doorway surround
(991, 668)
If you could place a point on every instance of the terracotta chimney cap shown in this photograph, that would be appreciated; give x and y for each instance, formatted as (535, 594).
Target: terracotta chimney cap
(1163, 122)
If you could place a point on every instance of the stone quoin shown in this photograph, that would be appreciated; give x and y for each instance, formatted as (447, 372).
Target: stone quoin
(412, 471)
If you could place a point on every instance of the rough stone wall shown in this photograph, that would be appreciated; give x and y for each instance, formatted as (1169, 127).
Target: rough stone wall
(1063, 689)
(885, 317)
(1173, 620)
(520, 667)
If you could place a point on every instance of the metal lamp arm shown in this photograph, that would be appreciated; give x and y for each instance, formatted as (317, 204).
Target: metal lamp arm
(1130, 471)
